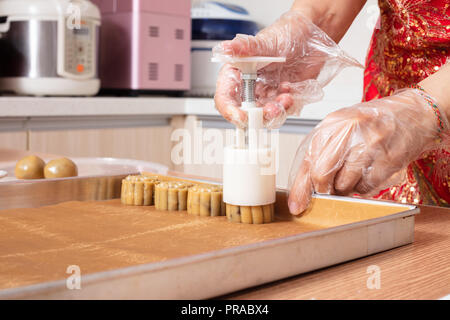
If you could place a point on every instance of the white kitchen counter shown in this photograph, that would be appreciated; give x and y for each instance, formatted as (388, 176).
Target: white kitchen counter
(11, 106)
(59, 113)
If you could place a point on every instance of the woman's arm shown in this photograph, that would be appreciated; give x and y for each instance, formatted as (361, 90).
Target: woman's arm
(333, 17)
(360, 149)
(438, 86)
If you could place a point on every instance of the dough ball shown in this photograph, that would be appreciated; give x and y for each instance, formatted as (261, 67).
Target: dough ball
(60, 168)
(30, 167)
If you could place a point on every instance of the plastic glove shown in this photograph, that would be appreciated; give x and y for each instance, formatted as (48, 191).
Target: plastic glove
(361, 149)
(312, 60)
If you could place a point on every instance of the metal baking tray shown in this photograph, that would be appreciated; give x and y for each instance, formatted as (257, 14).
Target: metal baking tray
(98, 179)
(241, 256)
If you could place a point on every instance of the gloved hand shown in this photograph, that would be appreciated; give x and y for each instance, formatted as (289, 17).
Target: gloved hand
(362, 148)
(312, 60)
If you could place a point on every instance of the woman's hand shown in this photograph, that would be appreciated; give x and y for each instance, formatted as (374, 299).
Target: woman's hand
(312, 60)
(359, 149)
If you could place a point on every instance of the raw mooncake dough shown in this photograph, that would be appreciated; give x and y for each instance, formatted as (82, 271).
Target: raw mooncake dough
(60, 168)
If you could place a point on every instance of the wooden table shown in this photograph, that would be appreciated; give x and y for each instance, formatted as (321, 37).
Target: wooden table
(417, 271)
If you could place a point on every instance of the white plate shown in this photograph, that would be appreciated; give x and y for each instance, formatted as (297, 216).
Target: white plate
(92, 167)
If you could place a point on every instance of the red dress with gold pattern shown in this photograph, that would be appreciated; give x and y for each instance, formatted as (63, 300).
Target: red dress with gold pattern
(411, 41)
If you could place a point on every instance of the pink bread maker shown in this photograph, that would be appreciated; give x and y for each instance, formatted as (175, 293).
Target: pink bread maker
(145, 45)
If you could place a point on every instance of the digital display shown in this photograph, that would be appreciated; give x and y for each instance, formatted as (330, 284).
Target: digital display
(81, 31)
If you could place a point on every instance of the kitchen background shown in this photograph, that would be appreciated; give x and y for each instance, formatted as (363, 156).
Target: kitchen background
(140, 127)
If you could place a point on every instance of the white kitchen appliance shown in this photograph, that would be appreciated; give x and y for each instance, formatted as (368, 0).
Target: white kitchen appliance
(49, 47)
(213, 22)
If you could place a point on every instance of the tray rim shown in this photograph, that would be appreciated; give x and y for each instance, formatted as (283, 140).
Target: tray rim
(130, 271)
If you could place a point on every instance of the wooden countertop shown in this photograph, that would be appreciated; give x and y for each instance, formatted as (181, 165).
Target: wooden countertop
(417, 271)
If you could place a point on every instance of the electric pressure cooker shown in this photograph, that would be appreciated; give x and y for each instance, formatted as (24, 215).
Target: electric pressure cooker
(49, 47)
